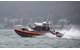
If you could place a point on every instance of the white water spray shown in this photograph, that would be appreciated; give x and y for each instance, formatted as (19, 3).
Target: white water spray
(72, 33)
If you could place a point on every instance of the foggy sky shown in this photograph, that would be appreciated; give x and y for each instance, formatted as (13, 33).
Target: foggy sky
(58, 10)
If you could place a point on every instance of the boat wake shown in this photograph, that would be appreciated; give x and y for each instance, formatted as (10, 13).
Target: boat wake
(72, 33)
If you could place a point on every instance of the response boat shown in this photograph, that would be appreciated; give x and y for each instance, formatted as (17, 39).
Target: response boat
(36, 30)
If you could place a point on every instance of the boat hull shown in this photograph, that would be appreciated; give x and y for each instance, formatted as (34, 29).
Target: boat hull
(26, 33)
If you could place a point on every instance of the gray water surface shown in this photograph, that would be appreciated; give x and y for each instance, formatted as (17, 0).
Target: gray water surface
(9, 39)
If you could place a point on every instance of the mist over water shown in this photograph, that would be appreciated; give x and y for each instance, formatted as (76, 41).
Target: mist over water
(64, 26)
(72, 33)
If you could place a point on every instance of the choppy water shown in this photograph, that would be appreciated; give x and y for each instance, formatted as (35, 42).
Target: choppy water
(9, 39)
